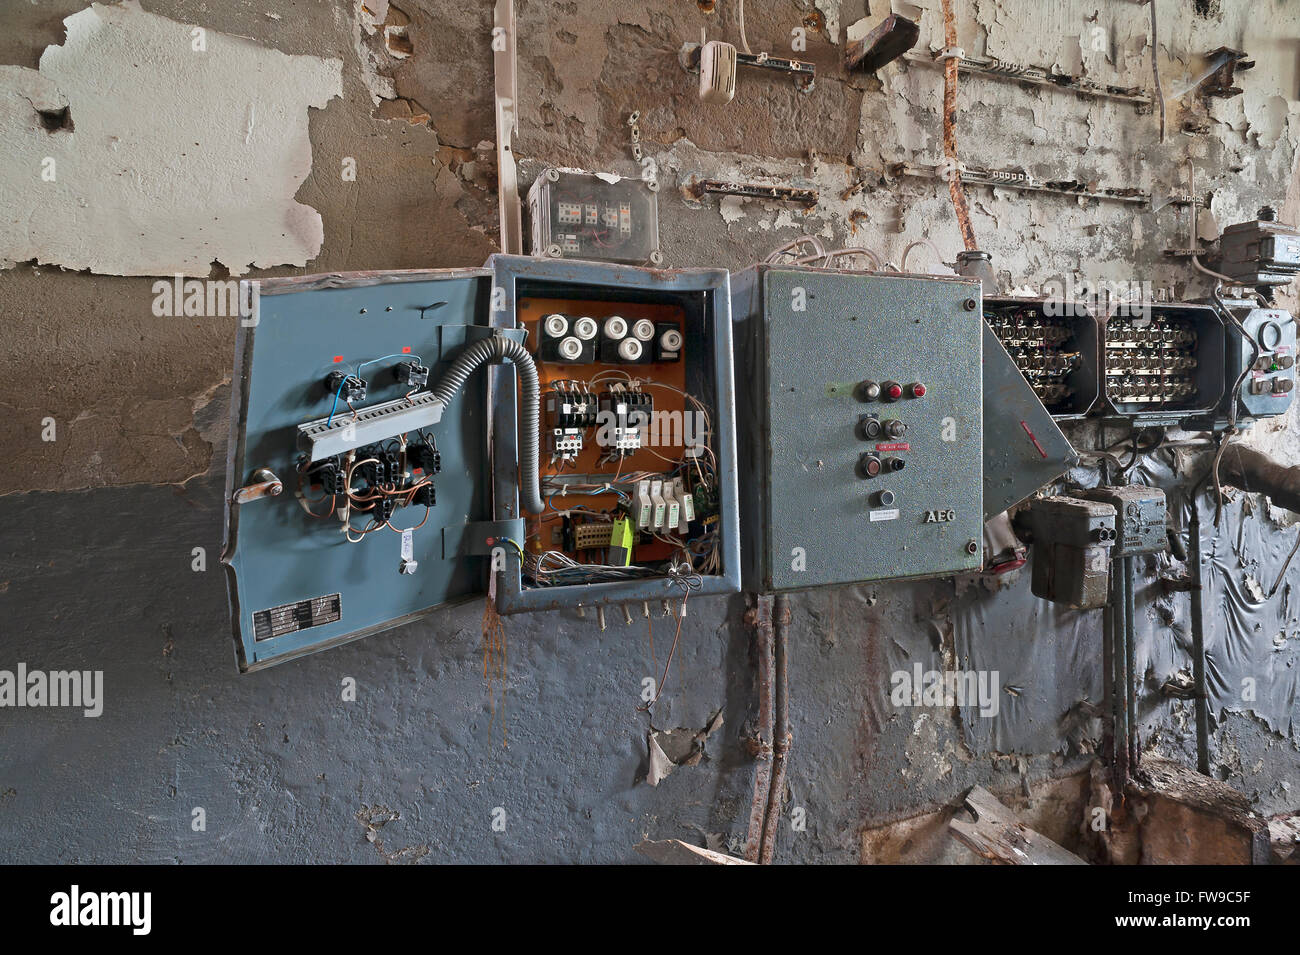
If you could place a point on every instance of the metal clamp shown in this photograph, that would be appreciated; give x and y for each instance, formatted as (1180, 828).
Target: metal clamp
(265, 484)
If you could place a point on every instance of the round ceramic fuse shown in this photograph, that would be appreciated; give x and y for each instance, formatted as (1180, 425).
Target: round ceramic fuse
(615, 327)
(570, 349)
(556, 325)
(585, 328)
(629, 349)
(671, 340)
(643, 329)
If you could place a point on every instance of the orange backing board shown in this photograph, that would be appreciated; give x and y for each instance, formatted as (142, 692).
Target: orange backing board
(530, 313)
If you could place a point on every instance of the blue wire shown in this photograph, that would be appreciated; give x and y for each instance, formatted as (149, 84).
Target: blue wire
(334, 407)
(357, 374)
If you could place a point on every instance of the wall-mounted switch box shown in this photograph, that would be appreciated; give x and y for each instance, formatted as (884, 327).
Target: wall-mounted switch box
(861, 422)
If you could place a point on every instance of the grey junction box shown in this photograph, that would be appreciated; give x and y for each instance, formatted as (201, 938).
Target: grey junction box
(860, 415)
(1073, 539)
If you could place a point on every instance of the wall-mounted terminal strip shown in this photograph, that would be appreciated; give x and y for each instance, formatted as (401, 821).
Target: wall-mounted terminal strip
(1054, 344)
(1164, 363)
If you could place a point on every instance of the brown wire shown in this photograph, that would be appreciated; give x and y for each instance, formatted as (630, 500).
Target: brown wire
(955, 187)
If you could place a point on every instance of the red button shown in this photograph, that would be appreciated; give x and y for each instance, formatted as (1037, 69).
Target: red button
(918, 390)
(895, 391)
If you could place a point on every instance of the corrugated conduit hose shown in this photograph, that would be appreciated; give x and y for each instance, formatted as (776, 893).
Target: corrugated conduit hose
(490, 351)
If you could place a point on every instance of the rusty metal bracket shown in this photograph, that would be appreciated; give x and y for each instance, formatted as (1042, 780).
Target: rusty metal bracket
(1021, 181)
(753, 190)
(893, 37)
(993, 67)
(1222, 82)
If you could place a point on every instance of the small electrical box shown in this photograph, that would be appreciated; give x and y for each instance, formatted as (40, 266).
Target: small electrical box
(1140, 518)
(861, 410)
(595, 216)
(1071, 550)
(1163, 363)
(1262, 252)
(1269, 385)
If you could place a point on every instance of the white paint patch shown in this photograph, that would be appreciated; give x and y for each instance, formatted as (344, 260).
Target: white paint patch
(177, 156)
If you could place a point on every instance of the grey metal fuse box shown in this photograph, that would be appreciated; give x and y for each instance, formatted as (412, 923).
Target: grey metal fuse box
(1073, 540)
(860, 403)
(1260, 252)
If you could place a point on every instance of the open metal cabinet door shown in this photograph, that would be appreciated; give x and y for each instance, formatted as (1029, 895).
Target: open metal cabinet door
(1024, 449)
(300, 583)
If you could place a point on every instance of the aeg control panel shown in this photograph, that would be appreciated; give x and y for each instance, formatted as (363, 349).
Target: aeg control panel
(862, 435)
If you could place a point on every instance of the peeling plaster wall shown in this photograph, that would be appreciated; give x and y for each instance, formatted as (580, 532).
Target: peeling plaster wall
(148, 172)
(101, 578)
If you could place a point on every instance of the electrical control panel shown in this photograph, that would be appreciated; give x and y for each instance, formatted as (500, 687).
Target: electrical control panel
(595, 216)
(403, 441)
(1054, 345)
(637, 469)
(1163, 363)
(1269, 367)
(861, 420)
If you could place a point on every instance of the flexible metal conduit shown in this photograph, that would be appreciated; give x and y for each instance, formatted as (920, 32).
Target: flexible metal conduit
(493, 350)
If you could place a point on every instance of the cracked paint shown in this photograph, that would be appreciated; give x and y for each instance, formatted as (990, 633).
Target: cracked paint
(152, 176)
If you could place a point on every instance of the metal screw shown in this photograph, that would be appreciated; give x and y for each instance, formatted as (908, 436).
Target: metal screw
(969, 304)
(972, 547)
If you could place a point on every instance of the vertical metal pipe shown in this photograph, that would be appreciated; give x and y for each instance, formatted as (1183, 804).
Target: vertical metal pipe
(1198, 639)
(1130, 662)
(1119, 672)
(781, 728)
(761, 619)
(1110, 712)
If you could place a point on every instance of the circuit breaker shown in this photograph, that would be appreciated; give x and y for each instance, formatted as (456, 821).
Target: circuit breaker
(595, 216)
(1269, 367)
(860, 413)
(401, 442)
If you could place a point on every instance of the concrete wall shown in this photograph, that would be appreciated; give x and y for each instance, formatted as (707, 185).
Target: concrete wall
(96, 560)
